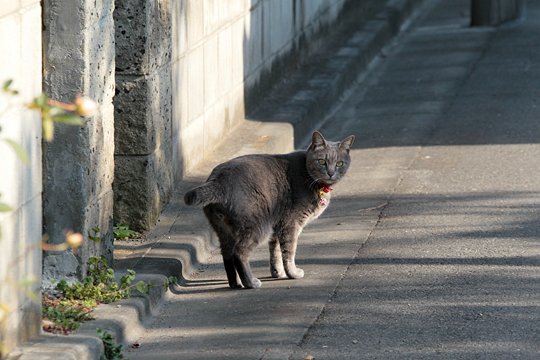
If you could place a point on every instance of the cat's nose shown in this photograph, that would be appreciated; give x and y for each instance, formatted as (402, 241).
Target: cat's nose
(330, 172)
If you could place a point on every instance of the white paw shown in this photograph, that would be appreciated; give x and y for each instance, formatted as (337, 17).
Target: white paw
(255, 284)
(296, 273)
(278, 274)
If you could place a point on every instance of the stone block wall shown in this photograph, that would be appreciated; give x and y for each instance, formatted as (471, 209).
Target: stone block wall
(20, 185)
(186, 70)
(143, 103)
(78, 166)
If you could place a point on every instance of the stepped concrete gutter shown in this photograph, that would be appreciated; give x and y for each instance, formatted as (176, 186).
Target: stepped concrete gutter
(182, 240)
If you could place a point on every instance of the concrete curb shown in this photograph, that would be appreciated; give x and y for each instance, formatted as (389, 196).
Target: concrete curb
(182, 241)
(122, 319)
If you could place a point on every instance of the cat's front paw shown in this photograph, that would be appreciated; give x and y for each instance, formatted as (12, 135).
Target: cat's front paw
(253, 283)
(296, 273)
(278, 274)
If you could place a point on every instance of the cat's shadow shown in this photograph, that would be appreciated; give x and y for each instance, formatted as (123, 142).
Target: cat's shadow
(209, 285)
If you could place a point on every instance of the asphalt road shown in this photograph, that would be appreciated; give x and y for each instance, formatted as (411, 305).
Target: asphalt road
(431, 245)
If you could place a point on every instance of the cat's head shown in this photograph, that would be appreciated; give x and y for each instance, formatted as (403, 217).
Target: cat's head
(328, 161)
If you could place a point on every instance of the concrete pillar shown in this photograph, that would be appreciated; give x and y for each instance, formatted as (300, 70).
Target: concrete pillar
(78, 41)
(494, 12)
(143, 108)
(20, 184)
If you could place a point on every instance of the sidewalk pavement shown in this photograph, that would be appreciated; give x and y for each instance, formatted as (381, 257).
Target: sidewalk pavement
(452, 269)
(430, 248)
(182, 243)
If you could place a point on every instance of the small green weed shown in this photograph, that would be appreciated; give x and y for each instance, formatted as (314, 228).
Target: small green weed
(99, 286)
(61, 316)
(64, 315)
(122, 232)
(80, 298)
(113, 350)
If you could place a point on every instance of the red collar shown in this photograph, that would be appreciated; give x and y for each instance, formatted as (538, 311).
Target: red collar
(325, 188)
(323, 200)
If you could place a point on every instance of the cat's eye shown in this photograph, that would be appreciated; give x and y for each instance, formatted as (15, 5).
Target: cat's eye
(339, 164)
(322, 162)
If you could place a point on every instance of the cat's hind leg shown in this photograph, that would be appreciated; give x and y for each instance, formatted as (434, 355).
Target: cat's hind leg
(276, 260)
(244, 271)
(230, 269)
(228, 261)
(217, 217)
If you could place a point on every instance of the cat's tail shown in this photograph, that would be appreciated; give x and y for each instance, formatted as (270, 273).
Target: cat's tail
(203, 195)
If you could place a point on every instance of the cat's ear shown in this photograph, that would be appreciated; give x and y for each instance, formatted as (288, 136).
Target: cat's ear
(346, 143)
(317, 140)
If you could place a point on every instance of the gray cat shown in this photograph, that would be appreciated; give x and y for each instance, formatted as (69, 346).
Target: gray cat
(256, 198)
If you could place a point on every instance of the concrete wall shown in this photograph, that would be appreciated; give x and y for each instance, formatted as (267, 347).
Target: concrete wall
(78, 165)
(221, 52)
(185, 72)
(20, 185)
